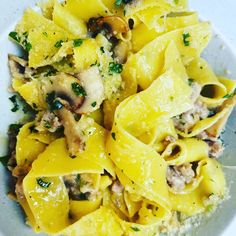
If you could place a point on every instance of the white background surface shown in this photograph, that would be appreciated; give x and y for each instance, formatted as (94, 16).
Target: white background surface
(222, 13)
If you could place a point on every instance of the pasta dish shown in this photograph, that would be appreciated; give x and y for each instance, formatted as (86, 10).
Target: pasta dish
(124, 118)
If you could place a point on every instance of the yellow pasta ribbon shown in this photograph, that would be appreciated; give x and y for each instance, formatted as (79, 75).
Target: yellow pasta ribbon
(146, 65)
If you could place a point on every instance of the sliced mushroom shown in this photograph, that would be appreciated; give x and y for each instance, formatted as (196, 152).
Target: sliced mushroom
(71, 132)
(17, 66)
(93, 86)
(64, 86)
(110, 25)
(113, 24)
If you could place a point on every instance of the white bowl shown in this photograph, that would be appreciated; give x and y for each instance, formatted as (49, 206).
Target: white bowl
(219, 54)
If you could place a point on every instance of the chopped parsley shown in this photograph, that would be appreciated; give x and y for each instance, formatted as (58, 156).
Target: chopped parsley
(14, 35)
(77, 42)
(115, 68)
(4, 160)
(47, 125)
(56, 105)
(113, 135)
(43, 183)
(186, 37)
(176, 2)
(45, 34)
(78, 178)
(230, 95)
(102, 49)
(118, 3)
(94, 104)
(190, 81)
(50, 72)
(14, 128)
(52, 102)
(14, 101)
(58, 44)
(21, 40)
(95, 64)
(28, 46)
(77, 117)
(134, 228)
(78, 90)
(25, 43)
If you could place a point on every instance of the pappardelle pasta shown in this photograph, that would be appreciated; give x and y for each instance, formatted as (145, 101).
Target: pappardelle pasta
(127, 117)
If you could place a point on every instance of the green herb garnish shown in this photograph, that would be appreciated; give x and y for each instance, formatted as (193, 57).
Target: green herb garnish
(102, 49)
(77, 117)
(57, 105)
(176, 2)
(230, 95)
(134, 228)
(118, 3)
(43, 183)
(58, 44)
(52, 102)
(4, 160)
(78, 90)
(14, 101)
(113, 135)
(50, 72)
(28, 46)
(77, 42)
(186, 37)
(14, 35)
(190, 82)
(25, 43)
(45, 34)
(47, 125)
(94, 104)
(15, 128)
(115, 68)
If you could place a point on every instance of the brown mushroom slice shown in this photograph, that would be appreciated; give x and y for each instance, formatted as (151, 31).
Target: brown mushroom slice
(93, 86)
(114, 24)
(71, 131)
(17, 66)
(63, 84)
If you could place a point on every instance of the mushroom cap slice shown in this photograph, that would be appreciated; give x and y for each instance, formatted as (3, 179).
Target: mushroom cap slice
(61, 84)
(114, 23)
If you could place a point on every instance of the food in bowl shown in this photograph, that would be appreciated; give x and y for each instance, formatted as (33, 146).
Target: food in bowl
(125, 118)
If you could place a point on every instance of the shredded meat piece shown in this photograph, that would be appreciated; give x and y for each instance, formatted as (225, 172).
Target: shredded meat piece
(72, 183)
(216, 146)
(80, 187)
(19, 189)
(50, 122)
(179, 176)
(188, 119)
